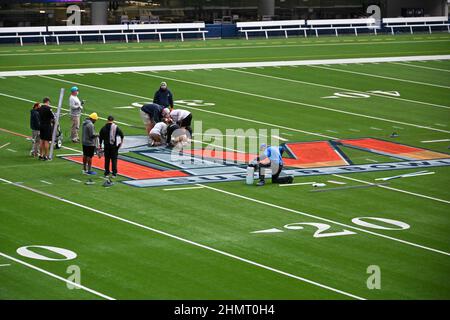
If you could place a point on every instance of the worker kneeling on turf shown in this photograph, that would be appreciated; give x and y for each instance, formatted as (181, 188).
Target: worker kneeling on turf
(270, 157)
(158, 134)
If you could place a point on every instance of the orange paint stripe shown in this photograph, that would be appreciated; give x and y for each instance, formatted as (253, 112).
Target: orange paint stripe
(132, 170)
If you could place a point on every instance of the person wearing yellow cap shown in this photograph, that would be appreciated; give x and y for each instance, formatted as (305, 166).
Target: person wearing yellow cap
(89, 139)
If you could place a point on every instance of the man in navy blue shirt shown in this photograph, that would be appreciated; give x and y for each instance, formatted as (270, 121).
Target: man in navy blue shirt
(163, 96)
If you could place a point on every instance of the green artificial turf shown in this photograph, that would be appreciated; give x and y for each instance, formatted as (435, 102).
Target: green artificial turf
(124, 259)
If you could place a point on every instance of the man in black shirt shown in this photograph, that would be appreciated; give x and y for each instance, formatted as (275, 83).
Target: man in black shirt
(46, 120)
(163, 96)
(112, 138)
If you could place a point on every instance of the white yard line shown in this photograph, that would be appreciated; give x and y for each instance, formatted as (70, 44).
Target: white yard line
(104, 296)
(193, 108)
(421, 67)
(210, 66)
(325, 219)
(76, 180)
(85, 114)
(184, 188)
(383, 77)
(338, 88)
(288, 101)
(5, 265)
(12, 150)
(46, 182)
(224, 253)
(432, 141)
(394, 189)
(6, 144)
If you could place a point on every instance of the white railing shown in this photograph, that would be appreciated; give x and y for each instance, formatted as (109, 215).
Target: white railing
(416, 22)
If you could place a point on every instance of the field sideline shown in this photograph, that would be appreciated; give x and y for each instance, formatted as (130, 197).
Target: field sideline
(211, 240)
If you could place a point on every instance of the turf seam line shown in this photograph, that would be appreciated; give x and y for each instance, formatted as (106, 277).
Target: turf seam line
(327, 220)
(183, 240)
(56, 276)
(210, 66)
(338, 88)
(395, 189)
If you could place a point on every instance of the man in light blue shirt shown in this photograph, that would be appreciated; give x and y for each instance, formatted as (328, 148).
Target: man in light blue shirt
(270, 157)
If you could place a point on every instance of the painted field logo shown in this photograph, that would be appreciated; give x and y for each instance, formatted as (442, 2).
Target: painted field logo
(156, 166)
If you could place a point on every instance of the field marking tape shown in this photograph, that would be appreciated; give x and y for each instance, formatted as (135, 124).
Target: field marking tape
(431, 141)
(193, 108)
(104, 296)
(422, 67)
(295, 102)
(325, 219)
(210, 66)
(383, 77)
(296, 184)
(394, 189)
(180, 239)
(5, 265)
(406, 175)
(338, 88)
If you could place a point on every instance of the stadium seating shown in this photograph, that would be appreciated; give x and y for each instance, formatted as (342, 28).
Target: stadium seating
(167, 28)
(416, 22)
(23, 32)
(271, 26)
(341, 24)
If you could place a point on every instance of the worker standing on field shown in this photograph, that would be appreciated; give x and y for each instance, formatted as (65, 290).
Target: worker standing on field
(89, 139)
(112, 138)
(35, 126)
(76, 108)
(164, 96)
(47, 119)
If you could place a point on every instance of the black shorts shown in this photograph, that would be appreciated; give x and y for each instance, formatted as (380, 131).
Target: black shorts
(186, 122)
(46, 132)
(88, 151)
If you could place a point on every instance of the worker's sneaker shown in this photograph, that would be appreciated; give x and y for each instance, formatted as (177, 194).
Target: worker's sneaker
(114, 176)
(261, 183)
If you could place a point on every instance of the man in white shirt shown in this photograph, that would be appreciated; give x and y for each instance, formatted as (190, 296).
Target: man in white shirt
(181, 120)
(76, 108)
(158, 134)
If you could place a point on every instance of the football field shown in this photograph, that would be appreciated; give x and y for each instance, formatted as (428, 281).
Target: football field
(226, 239)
